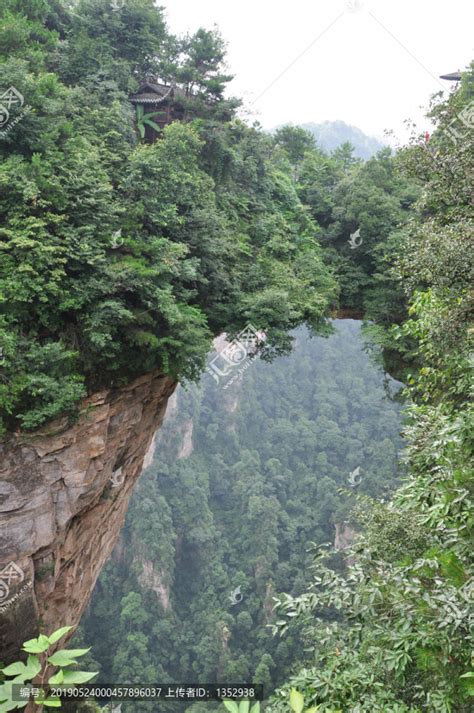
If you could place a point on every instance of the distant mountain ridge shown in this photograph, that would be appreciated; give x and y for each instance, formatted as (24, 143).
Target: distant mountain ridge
(331, 134)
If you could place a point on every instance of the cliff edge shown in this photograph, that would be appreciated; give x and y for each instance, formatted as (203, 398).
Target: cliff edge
(64, 493)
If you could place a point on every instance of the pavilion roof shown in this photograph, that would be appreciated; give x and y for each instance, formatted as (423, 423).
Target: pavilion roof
(453, 77)
(155, 93)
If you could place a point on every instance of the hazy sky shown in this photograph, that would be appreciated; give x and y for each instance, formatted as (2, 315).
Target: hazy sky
(373, 66)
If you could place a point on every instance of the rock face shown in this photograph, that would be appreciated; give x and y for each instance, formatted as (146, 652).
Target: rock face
(187, 445)
(155, 580)
(344, 536)
(64, 493)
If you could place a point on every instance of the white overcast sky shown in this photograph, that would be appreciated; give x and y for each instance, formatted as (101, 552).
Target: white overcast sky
(374, 67)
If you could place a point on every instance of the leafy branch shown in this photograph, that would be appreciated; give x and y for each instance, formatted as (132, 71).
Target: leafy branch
(242, 707)
(33, 676)
(145, 120)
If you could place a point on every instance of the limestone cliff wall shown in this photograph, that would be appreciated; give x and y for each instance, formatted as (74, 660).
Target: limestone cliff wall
(64, 493)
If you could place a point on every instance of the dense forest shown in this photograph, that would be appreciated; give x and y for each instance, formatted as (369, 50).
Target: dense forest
(400, 637)
(212, 233)
(119, 257)
(242, 481)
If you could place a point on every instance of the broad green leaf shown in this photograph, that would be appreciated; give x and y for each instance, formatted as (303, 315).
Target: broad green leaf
(78, 676)
(6, 695)
(153, 113)
(14, 669)
(231, 706)
(24, 701)
(36, 646)
(5, 691)
(52, 702)
(59, 633)
(57, 678)
(244, 707)
(296, 701)
(75, 652)
(152, 124)
(21, 678)
(255, 708)
(66, 657)
(33, 666)
(6, 698)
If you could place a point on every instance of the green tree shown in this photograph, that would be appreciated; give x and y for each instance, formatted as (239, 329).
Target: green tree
(295, 141)
(400, 636)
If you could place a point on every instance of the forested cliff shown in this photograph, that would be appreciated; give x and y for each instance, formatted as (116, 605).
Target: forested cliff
(120, 260)
(222, 518)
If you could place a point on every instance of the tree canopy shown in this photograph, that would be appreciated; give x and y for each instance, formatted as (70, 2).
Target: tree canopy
(400, 636)
(118, 257)
(243, 479)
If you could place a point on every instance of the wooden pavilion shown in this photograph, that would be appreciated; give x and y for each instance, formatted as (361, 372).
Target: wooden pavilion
(162, 103)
